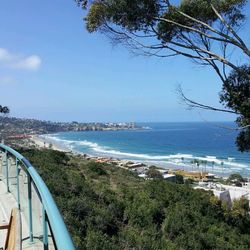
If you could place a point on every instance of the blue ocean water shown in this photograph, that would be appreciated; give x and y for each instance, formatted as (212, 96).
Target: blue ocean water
(166, 144)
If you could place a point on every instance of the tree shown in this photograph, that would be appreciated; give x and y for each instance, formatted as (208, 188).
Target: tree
(239, 215)
(236, 95)
(237, 179)
(154, 173)
(4, 109)
(205, 31)
(179, 179)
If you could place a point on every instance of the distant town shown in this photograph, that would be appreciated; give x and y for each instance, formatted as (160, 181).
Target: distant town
(11, 127)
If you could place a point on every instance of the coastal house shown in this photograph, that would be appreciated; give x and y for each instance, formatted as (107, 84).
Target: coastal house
(195, 175)
(169, 177)
(218, 191)
(134, 165)
(226, 193)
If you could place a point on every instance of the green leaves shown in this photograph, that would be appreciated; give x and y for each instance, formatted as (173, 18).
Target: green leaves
(96, 17)
(128, 14)
(97, 168)
(235, 94)
(154, 173)
(236, 91)
(141, 15)
(82, 3)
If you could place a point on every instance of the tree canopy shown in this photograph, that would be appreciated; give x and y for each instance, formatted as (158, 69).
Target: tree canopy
(235, 179)
(235, 94)
(154, 173)
(205, 31)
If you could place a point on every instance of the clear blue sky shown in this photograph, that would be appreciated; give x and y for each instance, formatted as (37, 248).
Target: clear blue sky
(53, 69)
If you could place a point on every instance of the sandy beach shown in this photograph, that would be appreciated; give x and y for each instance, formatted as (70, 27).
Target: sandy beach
(41, 142)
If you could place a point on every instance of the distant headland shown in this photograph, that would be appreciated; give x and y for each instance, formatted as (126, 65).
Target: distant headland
(12, 127)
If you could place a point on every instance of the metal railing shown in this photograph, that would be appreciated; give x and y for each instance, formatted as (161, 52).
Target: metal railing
(45, 223)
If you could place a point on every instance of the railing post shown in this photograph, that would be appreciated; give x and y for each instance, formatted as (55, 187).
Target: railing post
(51, 216)
(17, 184)
(30, 209)
(7, 171)
(45, 230)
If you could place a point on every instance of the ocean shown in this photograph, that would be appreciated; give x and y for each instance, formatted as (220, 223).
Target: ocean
(174, 145)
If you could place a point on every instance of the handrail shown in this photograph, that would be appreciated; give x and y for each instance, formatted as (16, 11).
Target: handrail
(61, 235)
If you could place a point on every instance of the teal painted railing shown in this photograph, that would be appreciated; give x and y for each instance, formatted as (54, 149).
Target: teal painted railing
(51, 218)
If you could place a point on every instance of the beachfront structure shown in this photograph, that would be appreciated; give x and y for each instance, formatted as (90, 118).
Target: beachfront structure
(225, 193)
(221, 193)
(169, 177)
(29, 217)
(237, 192)
(195, 175)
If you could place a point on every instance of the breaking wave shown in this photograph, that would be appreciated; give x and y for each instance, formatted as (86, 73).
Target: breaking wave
(212, 161)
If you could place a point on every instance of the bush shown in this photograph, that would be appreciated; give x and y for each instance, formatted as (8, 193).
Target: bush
(97, 168)
(179, 179)
(189, 181)
(237, 179)
(154, 174)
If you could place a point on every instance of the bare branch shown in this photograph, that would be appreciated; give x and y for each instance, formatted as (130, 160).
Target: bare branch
(226, 36)
(137, 45)
(224, 54)
(193, 104)
(227, 127)
(211, 55)
(192, 46)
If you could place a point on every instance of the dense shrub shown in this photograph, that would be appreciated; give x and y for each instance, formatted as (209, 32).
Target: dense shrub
(106, 207)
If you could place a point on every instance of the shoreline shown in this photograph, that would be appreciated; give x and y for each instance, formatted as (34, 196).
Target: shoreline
(45, 143)
(41, 141)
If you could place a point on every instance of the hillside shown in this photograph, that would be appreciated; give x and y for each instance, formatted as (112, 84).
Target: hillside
(18, 127)
(106, 207)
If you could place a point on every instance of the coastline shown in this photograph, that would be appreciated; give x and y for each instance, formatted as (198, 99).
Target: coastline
(139, 166)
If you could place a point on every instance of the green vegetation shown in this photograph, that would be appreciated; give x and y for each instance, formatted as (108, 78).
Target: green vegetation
(236, 95)
(179, 179)
(106, 207)
(235, 179)
(4, 109)
(154, 173)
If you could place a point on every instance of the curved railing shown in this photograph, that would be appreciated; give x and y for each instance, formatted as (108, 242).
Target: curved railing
(51, 219)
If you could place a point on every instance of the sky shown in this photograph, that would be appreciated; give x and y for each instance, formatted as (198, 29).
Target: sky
(51, 68)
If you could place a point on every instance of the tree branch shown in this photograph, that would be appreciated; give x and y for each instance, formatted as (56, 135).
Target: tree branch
(192, 47)
(227, 37)
(243, 45)
(193, 104)
(192, 29)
